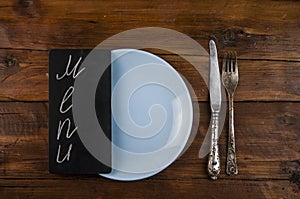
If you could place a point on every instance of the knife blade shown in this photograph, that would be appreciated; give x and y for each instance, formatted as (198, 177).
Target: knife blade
(215, 104)
(214, 78)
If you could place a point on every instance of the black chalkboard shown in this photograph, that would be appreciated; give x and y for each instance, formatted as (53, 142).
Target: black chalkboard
(67, 154)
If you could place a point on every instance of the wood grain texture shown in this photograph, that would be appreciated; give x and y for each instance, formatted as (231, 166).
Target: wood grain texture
(259, 30)
(265, 168)
(24, 77)
(94, 187)
(265, 35)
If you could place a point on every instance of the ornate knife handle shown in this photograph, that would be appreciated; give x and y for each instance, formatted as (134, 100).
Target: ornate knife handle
(214, 157)
(231, 165)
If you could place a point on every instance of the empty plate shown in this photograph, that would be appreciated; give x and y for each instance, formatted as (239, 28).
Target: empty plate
(152, 115)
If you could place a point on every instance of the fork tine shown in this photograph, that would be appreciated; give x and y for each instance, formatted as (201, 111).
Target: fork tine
(236, 70)
(228, 62)
(224, 67)
(231, 63)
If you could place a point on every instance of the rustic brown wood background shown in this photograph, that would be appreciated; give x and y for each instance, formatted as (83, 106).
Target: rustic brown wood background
(266, 35)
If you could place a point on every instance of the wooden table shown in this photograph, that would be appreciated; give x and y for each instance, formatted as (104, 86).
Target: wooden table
(266, 35)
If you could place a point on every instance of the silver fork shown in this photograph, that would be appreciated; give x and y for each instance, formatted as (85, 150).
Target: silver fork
(230, 78)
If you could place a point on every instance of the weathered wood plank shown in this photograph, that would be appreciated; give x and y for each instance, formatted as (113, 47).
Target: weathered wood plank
(259, 30)
(264, 33)
(152, 188)
(24, 77)
(267, 143)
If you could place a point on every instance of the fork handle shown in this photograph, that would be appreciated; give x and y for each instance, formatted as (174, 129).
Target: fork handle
(231, 165)
(214, 157)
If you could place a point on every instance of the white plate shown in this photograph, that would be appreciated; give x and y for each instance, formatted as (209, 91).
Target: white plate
(152, 115)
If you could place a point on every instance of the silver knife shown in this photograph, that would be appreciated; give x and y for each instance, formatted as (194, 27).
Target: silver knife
(215, 104)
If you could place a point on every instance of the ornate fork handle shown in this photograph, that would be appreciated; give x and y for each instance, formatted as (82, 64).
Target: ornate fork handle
(231, 165)
(214, 157)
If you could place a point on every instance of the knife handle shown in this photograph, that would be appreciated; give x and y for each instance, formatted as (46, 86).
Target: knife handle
(214, 157)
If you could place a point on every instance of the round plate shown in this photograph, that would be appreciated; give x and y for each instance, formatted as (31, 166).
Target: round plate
(152, 115)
